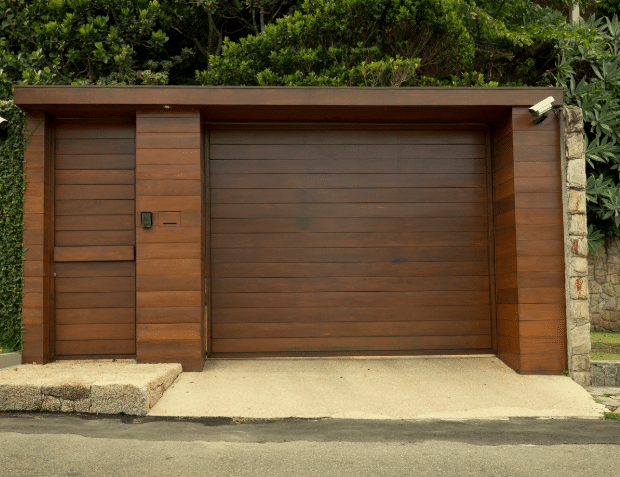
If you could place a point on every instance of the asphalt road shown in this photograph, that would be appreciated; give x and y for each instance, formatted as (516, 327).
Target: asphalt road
(84, 445)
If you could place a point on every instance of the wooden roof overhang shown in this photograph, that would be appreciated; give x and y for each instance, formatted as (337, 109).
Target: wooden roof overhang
(286, 104)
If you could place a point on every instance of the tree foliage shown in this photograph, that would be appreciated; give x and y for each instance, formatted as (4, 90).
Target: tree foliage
(119, 41)
(364, 43)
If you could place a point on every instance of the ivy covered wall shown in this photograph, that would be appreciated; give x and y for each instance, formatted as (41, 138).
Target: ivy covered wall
(12, 186)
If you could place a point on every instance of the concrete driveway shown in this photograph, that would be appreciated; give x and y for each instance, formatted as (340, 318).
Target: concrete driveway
(462, 387)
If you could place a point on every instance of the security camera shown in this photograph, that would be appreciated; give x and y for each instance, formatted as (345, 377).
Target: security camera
(539, 110)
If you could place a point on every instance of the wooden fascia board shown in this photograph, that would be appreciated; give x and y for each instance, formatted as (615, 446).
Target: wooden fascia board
(30, 97)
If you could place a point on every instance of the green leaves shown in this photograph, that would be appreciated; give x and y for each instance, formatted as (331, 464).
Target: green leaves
(12, 187)
(349, 43)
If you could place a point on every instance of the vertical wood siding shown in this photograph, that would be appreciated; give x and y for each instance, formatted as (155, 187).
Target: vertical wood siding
(170, 256)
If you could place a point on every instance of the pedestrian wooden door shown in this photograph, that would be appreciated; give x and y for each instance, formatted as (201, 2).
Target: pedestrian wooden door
(349, 241)
(94, 238)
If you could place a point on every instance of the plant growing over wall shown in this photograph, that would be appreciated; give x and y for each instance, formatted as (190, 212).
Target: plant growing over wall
(361, 43)
(590, 76)
(12, 186)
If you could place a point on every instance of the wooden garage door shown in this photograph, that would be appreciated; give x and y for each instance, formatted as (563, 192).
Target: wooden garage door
(349, 241)
(94, 238)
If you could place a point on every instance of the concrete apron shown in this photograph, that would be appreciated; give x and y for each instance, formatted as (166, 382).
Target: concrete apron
(464, 387)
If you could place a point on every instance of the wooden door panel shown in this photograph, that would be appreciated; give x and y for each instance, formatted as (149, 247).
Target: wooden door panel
(94, 239)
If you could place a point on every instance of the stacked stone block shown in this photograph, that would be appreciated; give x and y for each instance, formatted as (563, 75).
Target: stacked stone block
(576, 245)
(604, 287)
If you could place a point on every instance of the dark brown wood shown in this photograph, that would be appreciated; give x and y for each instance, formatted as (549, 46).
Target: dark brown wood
(92, 331)
(84, 316)
(371, 269)
(323, 137)
(383, 210)
(349, 329)
(316, 152)
(357, 240)
(387, 344)
(94, 238)
(96, 269)
(99, 348)
(292, 196)
(347, 255)
(319, 313)
(337, 284)
(93, 253)
(95, 222)
(344, 224)
(343, 181)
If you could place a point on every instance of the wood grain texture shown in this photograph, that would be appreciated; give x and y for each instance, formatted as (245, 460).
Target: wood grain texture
(338, 233)
(170, 265)
(95, 288)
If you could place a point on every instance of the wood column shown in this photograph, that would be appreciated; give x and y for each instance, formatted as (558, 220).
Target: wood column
(539, 244)
(170, 290)
(505, 244)
(38, 223)
(529, 244)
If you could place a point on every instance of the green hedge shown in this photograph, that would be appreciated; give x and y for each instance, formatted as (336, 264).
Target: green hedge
(12, 186)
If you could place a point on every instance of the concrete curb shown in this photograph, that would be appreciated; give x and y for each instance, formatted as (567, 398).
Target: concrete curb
(103, 387)
(10, 359)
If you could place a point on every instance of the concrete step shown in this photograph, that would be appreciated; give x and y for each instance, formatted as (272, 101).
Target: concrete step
(96, 386)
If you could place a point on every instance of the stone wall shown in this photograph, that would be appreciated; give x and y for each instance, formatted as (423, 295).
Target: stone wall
(604, 286)
(575, 244)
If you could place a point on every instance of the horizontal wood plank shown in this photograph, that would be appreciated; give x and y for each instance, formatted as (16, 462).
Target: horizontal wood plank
(96, 347)
(353, 284)
(92, 331)
(94, 222)
(376, 269)
(94, 254)
(96, 300)
(95, 207)
(343, 181)
(319, 312)
(340, 136)
(348, 151)
(351, 344)
(309, 196)
(96, 269)
(74, 238)
(85, 316)
(93, 146)
(343, 224)
(349, 329)
(383, 210)
(302, 300)
(304, 240)
(81, 192)
(95, 161)
(350, 166)
(346, 255)
(95, 284)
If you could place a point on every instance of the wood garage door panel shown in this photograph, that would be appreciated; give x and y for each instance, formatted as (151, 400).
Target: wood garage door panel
(94, 238)
(349, 241)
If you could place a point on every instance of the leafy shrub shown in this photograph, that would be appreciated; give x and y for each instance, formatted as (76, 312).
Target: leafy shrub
(590, 76)
(352, 43)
